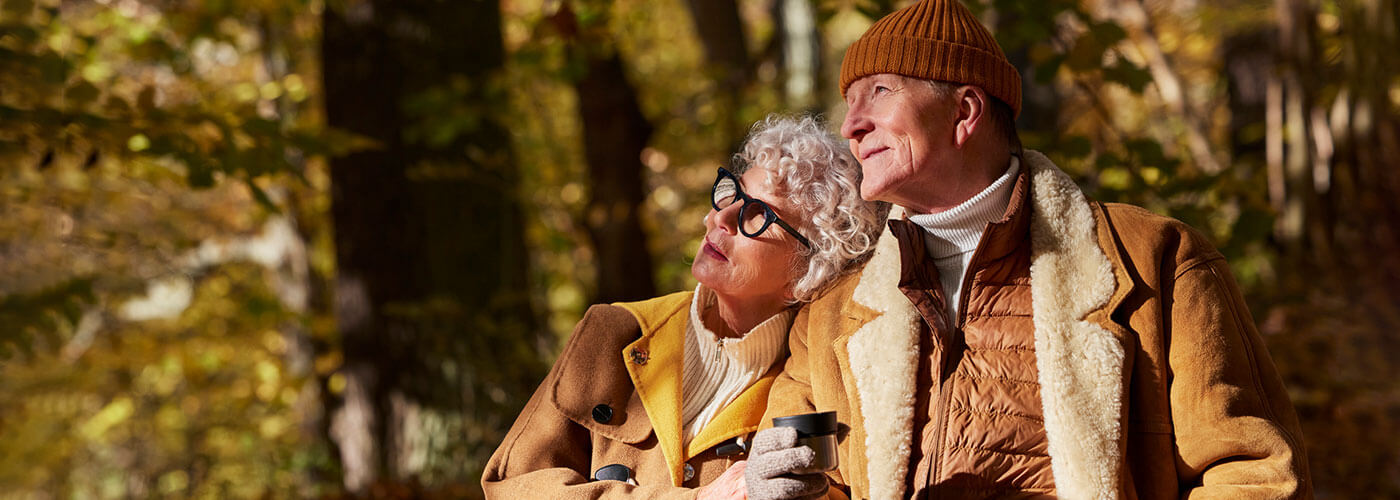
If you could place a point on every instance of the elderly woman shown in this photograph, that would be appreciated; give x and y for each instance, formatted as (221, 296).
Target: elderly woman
(657, 398)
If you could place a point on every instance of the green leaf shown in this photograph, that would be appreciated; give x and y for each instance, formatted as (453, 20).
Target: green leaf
(1147, 152)
(1076, 146)
(825, 12)
(261, 196)
(116, 107)
(25, 34)
(1252, 225)
(1106, 160)
(81, 93)
(1086, 54)
(201, 174)
(871, 12)
(54, 68)
(26, 315)
(1108, 33)
(1129, 75)
(1045, 70)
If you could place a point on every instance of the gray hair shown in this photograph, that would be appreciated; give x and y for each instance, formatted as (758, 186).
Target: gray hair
(820, 179)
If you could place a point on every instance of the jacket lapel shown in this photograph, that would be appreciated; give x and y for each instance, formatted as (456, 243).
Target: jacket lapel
(739, 417)
(1081, 364)
(654, 364)
(883, 357)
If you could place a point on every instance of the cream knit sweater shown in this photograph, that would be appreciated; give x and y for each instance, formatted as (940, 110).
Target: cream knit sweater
(718, 370)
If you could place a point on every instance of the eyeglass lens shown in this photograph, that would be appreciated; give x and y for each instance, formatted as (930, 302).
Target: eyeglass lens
(753, 216)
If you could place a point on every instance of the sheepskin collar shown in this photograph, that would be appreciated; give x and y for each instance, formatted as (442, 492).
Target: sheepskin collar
(1080, 363)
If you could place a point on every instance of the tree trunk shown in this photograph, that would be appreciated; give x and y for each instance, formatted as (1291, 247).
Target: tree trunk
(1248, 65)
(614, 133)
(431, 281)
(721, 32)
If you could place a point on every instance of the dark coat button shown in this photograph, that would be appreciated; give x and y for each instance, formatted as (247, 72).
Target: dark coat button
(689, 472)
(602, 414)
(614, 472)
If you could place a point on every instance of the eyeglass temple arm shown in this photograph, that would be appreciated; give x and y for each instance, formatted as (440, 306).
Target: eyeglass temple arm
(793, 232)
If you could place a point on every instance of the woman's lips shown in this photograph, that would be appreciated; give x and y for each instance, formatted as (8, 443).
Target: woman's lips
(714, 252)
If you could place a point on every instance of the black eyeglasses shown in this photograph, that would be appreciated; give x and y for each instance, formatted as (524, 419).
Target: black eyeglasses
(754, 216)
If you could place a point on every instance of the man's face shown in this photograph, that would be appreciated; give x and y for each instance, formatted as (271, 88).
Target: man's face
(901, 131)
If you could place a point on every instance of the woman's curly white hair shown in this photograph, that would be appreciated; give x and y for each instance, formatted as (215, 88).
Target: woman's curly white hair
(816, 174)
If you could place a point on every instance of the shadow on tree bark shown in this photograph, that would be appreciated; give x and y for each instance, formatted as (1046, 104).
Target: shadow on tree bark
(431, 289)
(614, 134)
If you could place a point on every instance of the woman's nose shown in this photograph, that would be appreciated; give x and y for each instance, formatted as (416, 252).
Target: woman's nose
(725, 218)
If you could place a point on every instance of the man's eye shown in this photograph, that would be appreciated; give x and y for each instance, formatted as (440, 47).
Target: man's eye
(880, 89)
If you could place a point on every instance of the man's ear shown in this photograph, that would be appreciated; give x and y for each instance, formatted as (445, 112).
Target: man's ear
(973, 105)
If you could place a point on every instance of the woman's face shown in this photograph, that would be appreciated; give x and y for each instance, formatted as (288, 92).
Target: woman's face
(735, 266)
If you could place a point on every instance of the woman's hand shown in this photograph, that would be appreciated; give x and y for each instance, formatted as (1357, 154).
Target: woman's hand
(729, 486)
(779, 464)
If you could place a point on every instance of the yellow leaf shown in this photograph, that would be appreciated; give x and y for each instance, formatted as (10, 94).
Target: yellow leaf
(114, 413)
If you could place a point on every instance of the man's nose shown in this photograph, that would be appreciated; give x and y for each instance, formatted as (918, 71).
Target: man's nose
(856, 124)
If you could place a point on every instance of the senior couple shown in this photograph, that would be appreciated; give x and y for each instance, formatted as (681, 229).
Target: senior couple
(993, 335)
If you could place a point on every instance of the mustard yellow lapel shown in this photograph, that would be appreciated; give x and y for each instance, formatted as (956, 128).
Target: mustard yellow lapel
(740, 417)
(654, 363)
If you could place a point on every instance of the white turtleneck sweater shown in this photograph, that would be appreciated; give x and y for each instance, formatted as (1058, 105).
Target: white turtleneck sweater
(951, 236)
(717, 370)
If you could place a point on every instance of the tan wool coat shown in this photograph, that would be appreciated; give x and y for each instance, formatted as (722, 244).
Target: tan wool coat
(627, 358)
(1153, 380)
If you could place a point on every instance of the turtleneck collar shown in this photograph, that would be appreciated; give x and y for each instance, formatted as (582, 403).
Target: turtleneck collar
(755, 350)
(958, 229)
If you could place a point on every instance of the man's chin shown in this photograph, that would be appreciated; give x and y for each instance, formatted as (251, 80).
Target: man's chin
(869, 193)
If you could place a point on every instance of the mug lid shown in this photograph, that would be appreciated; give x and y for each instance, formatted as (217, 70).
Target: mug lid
(809, 424)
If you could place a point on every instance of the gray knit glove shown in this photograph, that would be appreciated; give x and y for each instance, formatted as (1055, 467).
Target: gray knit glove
(773, 458)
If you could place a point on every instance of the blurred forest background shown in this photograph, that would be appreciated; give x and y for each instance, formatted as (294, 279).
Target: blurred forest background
(327, 248)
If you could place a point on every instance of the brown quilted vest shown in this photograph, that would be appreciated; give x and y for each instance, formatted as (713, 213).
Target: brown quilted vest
(978, 425)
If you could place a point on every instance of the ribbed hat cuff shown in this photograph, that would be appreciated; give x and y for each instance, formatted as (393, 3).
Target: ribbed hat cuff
(932, 60)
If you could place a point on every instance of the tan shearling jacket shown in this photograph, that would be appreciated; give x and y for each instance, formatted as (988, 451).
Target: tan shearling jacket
(614, 397)
(1153, 380)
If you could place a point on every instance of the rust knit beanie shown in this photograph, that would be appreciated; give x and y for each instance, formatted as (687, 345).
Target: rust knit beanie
(934, 40)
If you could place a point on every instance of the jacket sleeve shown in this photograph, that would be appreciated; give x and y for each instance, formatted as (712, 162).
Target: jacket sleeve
(792, 389)
(547, 455)
(1237, 435)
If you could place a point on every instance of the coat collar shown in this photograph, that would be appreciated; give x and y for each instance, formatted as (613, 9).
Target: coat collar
(654, 364)
(1080, 363)
(740, 417)
(883, 356)
(657, 380)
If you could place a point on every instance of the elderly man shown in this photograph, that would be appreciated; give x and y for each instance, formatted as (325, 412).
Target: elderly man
(1011, 338)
